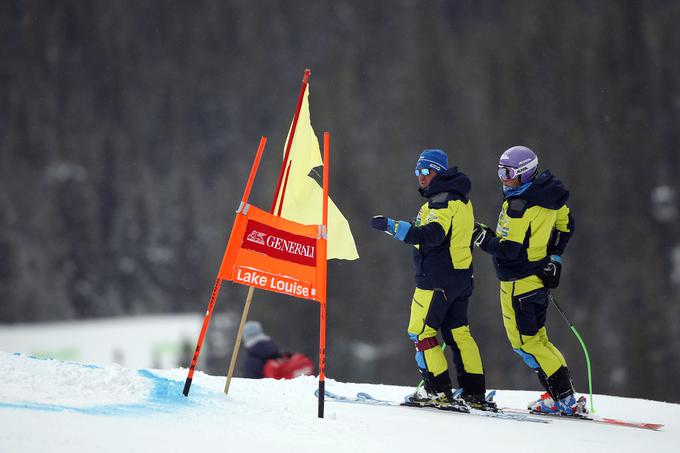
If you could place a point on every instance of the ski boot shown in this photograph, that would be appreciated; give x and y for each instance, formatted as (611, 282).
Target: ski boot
(481, 402)
(578, 409)
(447, 401)
(568, 405)
(442, 400)
(419, 400)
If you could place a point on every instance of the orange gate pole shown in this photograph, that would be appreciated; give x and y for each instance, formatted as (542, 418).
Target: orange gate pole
(216, 289)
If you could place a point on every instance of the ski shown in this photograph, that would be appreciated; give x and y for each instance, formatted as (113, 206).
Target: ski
(408, 403)
(588, 418)
(365, 398)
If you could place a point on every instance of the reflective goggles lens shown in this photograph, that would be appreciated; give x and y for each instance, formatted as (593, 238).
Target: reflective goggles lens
(423, 171)
(507, 173)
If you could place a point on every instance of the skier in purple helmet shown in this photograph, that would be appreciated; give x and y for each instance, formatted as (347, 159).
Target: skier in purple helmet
(533, 230)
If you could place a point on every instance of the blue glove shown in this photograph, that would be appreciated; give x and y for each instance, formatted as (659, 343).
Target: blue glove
(397, 228)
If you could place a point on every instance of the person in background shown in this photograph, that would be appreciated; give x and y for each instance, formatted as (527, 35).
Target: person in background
(534, 227)
(441, 241)
(264, 360)
(259, 349)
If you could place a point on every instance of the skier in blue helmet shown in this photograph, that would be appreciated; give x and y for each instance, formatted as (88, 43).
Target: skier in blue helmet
(442, 253)
(533, 230)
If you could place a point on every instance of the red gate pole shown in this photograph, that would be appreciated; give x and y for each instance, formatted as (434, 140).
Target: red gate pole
(218, 282)
(283, 191)
(324, 267)
(305, 81)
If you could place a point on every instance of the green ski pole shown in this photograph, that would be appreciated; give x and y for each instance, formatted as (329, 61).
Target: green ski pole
(583, 345)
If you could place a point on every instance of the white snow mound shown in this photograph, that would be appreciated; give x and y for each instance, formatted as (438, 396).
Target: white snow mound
(54, 406)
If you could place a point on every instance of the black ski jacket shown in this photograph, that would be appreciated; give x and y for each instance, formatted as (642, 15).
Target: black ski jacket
(442, 232)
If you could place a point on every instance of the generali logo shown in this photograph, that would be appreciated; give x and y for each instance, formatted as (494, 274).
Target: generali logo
(257, 237)
(279, 244)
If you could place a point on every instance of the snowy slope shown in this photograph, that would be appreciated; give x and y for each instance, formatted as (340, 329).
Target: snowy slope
(54, 406)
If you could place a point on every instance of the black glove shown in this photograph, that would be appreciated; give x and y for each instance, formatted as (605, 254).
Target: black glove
(551, 272)
(481, 235)
(379, 222)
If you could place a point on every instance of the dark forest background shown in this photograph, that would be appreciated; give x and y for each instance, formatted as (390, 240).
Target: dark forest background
(127, 130)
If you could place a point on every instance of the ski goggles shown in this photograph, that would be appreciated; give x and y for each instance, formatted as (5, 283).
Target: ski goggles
(423, 171)
(507, 173)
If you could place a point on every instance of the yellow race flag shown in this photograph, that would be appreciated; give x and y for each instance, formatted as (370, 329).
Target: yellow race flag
(302, 201)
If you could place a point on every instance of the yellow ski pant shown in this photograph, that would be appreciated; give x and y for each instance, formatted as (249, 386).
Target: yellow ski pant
(432, 310)
(524, 304)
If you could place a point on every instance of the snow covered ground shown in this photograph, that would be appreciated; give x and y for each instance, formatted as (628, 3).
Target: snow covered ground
(55, 406)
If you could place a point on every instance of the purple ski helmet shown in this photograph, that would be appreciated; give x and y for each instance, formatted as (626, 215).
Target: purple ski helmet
(518, 161)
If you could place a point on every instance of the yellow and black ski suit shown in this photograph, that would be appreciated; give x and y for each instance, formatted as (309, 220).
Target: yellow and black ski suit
(533, 225)
(442, 234)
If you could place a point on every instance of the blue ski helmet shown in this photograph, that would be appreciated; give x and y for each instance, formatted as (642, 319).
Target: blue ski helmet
(518, 161)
